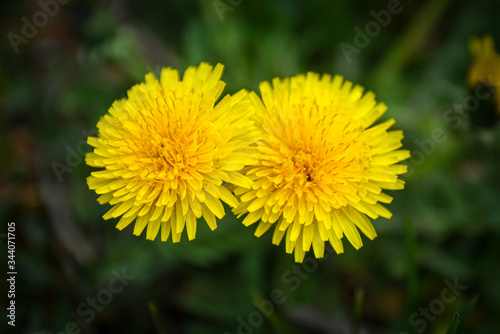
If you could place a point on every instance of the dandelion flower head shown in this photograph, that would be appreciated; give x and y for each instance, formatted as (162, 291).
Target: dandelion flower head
(485, 66)
(167, 151)
(322, 165)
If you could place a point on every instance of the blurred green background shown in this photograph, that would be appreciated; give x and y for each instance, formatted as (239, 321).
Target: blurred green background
(446, 223)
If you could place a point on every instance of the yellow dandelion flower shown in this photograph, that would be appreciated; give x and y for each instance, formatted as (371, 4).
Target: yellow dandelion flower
(167, 150)
(485, 66)
(322, 167)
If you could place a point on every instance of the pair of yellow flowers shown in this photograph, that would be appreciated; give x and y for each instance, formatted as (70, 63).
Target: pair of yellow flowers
(303, 157)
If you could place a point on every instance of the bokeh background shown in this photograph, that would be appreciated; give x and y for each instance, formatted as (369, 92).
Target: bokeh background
(446, 223)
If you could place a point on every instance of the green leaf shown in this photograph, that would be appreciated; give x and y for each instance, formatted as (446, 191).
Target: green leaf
(454, 325)
(467, 310)
(273, 317)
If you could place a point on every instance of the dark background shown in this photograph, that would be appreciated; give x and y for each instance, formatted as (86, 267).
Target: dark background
(446, 223)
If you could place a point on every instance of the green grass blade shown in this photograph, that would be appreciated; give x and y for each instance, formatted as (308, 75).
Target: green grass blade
(454, 324)
(411, 265)
(469, 307)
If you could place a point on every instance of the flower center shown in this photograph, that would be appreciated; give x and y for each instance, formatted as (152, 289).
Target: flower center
(174, 152)
(298, 166)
